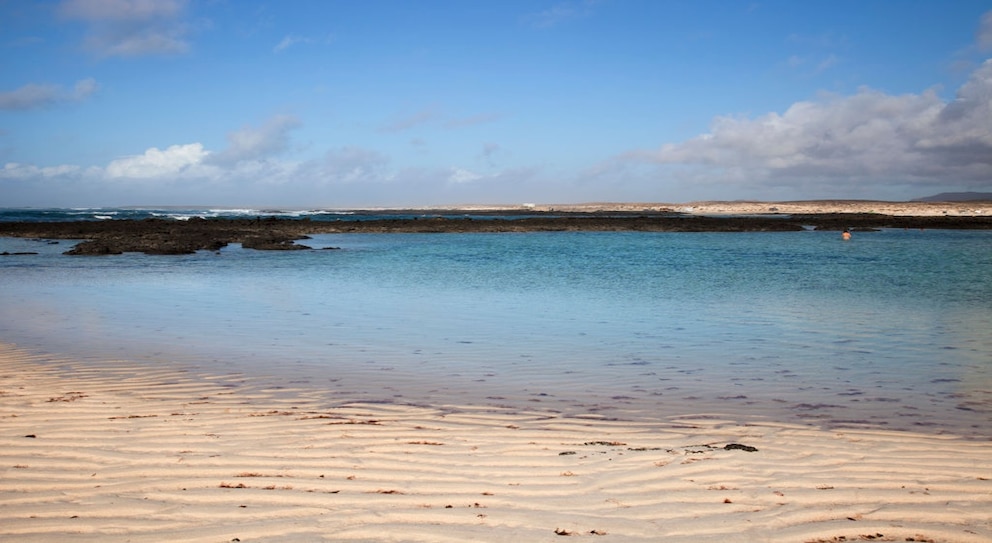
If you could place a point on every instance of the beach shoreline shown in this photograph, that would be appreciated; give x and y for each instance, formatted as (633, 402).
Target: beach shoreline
(121, 451)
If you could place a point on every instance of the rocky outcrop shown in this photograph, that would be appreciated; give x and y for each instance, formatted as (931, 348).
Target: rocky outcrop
(268, 242)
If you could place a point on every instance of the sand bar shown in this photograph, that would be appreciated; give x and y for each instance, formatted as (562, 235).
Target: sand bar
(124, 453)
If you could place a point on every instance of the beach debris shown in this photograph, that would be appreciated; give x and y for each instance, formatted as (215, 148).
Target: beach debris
(739, 447)
(67, 397)
(872, 537)
(562, 531)
(370, 422)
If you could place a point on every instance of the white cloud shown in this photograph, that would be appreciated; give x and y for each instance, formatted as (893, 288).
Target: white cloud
(826, 64)
(285, 43)
(33, 95)
(985, 31)
(848, 140)
(291, 40)
(29, 96)
(84, 88)
(128, 28)
(14, 170)
(252, 143)
(156, 163)
(121, 10)
(151, 42)
(460, 175)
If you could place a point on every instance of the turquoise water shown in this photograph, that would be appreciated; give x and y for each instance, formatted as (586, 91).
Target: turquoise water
(892, 329)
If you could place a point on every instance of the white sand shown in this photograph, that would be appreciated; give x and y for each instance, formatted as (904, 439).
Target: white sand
(916, 209)
(122, 453)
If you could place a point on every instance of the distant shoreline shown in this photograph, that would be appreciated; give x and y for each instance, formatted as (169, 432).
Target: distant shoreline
(964, 208)
(172, 236)
(756, 207)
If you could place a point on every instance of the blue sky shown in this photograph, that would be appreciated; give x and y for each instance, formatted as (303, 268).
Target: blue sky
(325, 103)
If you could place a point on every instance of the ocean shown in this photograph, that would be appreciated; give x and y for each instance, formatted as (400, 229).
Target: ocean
(892, 329)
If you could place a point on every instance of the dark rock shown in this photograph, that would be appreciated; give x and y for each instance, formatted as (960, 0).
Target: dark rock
(272, 243)
(96, 247)
(173, 237)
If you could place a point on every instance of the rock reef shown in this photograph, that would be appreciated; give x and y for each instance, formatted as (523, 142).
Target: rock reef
(174, 237)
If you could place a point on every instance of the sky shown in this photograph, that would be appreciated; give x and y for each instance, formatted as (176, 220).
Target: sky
(390, 103)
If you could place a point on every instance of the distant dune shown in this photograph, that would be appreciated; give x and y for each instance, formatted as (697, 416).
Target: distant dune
(912, 209)
(956, 197)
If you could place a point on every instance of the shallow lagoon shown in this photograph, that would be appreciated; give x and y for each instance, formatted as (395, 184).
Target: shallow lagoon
(891, 329)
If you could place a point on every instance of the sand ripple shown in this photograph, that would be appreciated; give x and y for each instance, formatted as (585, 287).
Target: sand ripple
(123, 453)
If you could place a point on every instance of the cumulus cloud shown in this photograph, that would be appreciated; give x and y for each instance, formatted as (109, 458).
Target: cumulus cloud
(129, 28)
(252, 143)
(868, 136)
(32, 95)
(155, 163)
(184, 174)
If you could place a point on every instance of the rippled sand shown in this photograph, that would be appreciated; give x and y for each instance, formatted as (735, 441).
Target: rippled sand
(123, 453)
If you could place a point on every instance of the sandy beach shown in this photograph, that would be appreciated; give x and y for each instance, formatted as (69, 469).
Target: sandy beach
(121, 452)
(975, 208)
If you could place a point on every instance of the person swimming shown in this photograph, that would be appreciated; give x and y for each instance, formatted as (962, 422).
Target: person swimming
(845, 235)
